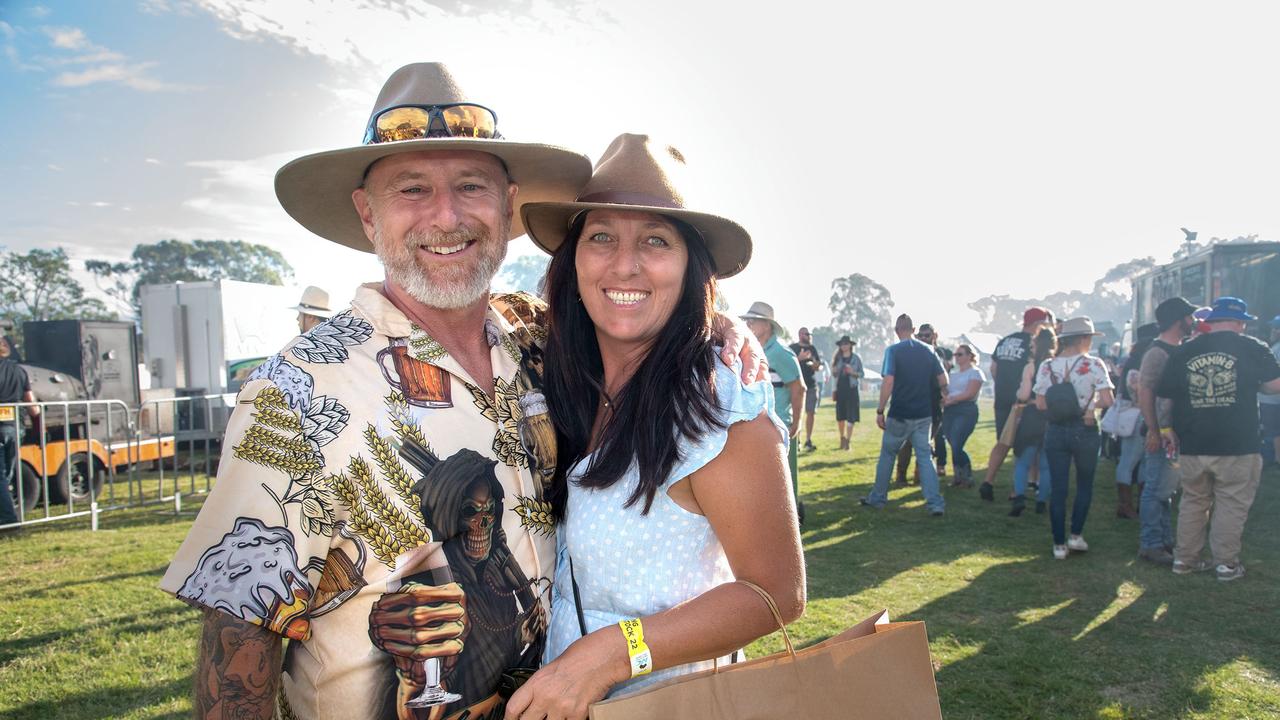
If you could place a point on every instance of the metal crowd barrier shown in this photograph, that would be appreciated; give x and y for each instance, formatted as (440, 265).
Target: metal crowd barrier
(85, 457)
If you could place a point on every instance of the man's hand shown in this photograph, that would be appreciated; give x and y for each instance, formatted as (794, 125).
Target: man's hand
(1153, 440)
(880, 420)
(420, 622)
(741, 343)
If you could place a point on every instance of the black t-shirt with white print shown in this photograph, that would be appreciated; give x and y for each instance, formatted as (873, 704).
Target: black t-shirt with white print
(1213, 382)
(1011, 355)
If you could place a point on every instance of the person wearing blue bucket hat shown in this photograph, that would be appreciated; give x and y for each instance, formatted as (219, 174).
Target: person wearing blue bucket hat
(1212, 382)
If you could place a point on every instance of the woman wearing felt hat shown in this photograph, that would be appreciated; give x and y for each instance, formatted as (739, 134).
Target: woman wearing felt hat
(1072, 435)
(672, 478)
(846, 368)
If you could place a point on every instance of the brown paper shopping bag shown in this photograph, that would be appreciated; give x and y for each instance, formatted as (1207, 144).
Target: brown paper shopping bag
(875, 669)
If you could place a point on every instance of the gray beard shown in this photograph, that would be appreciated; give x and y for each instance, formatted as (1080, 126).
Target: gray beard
(449, 295)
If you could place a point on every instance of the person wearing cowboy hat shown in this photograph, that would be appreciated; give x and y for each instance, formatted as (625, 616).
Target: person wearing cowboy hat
(313, 308)
(423, 358)
(787, 379)
(1212, 382)
(666, 452)
(1072, 437)
(846, 367)
(425, 361)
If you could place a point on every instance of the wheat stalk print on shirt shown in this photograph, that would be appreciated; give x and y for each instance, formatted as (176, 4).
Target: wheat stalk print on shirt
(354, 476)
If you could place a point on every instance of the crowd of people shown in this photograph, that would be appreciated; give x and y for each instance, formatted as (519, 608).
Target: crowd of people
(1193, 406)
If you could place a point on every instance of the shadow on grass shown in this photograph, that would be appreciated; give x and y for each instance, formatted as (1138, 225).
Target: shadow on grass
(105, 703)
(156, 572)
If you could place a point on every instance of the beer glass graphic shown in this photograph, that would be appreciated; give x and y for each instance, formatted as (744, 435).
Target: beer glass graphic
(433, 694)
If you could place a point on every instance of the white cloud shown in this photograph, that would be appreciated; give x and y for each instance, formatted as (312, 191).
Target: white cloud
(134, 76)
(152, 161)
(100, 204)
(67, 38)
(7, 30)
(55, 168)
(154, 7)
(39, 11)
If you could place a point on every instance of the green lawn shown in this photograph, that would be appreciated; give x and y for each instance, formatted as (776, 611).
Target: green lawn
(84, 633)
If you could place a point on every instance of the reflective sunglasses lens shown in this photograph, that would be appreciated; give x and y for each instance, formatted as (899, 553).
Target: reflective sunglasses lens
(469, 121)
(407, 123)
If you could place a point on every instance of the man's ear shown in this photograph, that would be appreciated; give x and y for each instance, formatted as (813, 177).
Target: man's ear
(360, 198)
(513, 189)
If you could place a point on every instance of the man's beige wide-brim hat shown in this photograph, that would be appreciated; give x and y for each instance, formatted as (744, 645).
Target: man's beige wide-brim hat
(637, 173)
(1082, 325)
(316, 189)
(764, 311)
(315, 301)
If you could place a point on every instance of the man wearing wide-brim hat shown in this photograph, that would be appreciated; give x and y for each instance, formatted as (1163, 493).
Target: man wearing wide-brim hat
(380, 501)
(319, 501)
(313, 308)
(1212, 382)
(784, 373)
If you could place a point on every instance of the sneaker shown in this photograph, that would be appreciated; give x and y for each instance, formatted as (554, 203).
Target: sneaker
(810, 447)
(935, 513)
(1039, 507)
(867, 503)
(1181, 568)
(1227, 573)
(1019, 504)
(1157, 555)
(1059, 552)
(1075, 543)
(987, 491)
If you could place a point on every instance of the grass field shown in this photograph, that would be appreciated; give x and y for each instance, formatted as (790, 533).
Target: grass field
(85, 634)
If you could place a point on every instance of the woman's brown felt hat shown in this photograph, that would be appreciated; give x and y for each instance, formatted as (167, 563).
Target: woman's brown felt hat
(637, 173)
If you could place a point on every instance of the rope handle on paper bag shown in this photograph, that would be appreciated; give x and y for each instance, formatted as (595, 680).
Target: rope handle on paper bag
(777, 616)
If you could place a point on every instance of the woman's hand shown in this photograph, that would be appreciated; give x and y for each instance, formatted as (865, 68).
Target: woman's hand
(565, 688)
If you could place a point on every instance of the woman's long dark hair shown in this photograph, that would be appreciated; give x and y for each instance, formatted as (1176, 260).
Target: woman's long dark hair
(1043, 346)
(670, 395)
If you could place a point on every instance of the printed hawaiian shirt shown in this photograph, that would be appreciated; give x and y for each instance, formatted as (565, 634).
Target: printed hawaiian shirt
(363, 460)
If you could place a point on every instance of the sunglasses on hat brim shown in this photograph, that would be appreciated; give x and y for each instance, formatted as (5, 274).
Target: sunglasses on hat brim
(414, 122)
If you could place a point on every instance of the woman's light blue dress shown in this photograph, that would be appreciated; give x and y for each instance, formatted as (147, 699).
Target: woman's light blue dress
(630, 565)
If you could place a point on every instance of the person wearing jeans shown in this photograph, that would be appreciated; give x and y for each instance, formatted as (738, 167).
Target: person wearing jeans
(1160, 482)
(8, 453)
(1030, 456)
(1063, 445)
(897, 433)
(1072, 436)
(911, 371)
(960, 411)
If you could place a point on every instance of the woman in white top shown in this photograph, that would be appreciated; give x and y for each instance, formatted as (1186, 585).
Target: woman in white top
(1072, 436)
(671, 482)
(960, 411)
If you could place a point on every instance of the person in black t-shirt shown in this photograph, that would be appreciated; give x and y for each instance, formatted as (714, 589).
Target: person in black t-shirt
(14, 387)
(810, 360)
(1007, 361)
(1212, 383)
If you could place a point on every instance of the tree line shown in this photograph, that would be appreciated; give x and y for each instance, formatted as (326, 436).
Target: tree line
(40, 284)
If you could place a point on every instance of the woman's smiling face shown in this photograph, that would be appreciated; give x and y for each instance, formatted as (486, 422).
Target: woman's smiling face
(631, 268)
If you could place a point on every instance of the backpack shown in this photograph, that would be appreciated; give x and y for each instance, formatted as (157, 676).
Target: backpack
(1060, 401)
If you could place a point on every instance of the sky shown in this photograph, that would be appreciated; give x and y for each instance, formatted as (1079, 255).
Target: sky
(947, 150)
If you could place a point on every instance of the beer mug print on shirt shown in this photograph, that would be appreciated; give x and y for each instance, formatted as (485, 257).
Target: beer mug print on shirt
(421, 383)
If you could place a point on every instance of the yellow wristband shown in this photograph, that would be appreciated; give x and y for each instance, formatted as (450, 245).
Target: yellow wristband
(637, 651)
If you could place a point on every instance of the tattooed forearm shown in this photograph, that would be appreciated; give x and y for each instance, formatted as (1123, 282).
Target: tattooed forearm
(237, 670)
